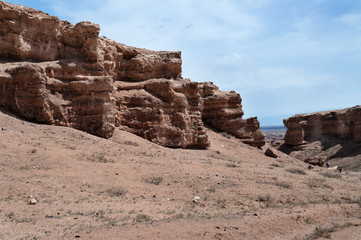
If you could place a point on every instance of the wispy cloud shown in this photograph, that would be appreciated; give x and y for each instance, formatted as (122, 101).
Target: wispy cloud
(351, 19)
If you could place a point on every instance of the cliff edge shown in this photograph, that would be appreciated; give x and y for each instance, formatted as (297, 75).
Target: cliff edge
(56, 73)
(342, 124)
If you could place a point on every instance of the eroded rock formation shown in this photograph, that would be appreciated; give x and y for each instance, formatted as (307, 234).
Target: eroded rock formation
(223, 111)
(56, 73)
(343, 124)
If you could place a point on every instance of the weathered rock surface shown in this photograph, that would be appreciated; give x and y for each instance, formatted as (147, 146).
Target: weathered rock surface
(167, 112)
(343, 124)
(316, 160)
(271, 152)
(56, 73)
(223, 111)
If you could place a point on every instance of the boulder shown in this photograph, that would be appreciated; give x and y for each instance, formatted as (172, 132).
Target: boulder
(271, 152)
(316, 160)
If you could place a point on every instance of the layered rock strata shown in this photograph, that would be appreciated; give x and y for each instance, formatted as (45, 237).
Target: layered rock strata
(343, 124)
(56, 73)
(223, 111)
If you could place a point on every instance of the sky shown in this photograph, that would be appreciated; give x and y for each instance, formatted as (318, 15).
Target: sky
(283, 57)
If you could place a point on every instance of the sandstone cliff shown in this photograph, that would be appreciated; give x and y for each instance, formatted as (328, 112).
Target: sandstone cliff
(342, 124)
(223, 111)
(56, 73)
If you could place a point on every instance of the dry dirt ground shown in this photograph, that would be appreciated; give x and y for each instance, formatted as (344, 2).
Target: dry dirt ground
(128, 188)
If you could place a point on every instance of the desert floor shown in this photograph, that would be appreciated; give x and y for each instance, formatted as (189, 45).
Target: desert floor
(125, 187)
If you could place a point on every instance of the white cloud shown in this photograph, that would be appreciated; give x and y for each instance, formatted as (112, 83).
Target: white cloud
(235, 59)
(169, 20)
(352, 19)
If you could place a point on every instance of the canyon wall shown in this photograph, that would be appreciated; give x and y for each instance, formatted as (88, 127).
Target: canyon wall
(343, 124)
(223, 111)
(56, 73)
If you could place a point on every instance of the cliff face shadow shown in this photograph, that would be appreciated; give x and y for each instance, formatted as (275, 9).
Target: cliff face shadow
(10, 113)
(348, 150)
(338, 148)
(332, 147)
(288, 149)
(13, 114)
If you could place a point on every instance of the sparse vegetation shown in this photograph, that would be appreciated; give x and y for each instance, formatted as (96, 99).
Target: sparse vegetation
(153, 180)
(142, 218)
(227, 135)
(320, 232)
(101, 216)
(13, 218)
(116, 192)
(178, 216)
(221, 202)
(266, 199)
(331, 174)
(318, 183)
(357, 201)
(283, 185)
(231, 165)
(10, 215)
(131, 143)
(211, 189)
(99, 158)
(77, 213)
(275, 165)
(296, 171)
(325, 232)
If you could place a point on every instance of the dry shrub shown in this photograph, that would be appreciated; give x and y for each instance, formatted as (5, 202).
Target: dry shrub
(321, 232)
(142, 218)
(318, 183)
(99, 158)
(331, 174)
(296, 171)
(357, 201)
(131, 143)
(153, 180)
(116, 192)
(275, 165)
(325, 232)
(283, 185)
(227, 135)
(266, 199)
(231, 165)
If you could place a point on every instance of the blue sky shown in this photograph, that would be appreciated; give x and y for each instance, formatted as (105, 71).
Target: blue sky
(283, 56)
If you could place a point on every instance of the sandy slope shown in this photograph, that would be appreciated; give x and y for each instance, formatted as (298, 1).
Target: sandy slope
(128, 188)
